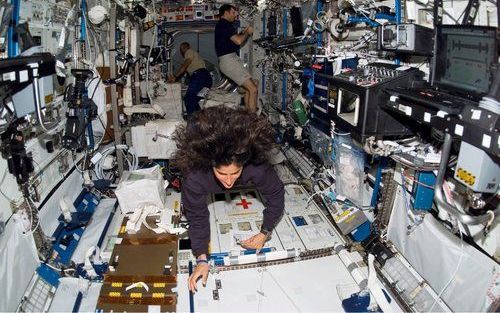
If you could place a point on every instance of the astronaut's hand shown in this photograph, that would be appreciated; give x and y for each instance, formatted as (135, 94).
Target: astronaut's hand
(249, 30)
(255, 242)
(201, 271)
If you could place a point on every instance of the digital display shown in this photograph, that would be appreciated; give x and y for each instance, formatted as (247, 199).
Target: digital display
(464, 58)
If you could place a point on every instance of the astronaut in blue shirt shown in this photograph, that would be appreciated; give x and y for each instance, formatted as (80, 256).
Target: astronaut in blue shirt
(227, 46)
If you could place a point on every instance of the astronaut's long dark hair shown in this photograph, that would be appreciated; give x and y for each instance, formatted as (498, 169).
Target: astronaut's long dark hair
(221, 136)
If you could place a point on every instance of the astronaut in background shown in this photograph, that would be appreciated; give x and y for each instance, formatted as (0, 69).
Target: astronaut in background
(199, 77)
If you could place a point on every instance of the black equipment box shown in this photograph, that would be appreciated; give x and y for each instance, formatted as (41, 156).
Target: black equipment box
(405, 38)
(354, 99)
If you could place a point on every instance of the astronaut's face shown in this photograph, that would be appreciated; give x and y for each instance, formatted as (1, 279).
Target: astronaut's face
(231, 15)
(228, 174)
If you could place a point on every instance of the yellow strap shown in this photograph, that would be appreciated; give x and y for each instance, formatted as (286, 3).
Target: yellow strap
(136, 295)
(158, 295)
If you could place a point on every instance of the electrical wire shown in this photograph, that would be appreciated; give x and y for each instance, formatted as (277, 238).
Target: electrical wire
(90, 83)
(407, 163)
(409, 212)
(106, 130)
(52, 266)
(153, 41)
(95, 89)
(314, 194)
(74, 162)
(340, 134)
(97, 44)
(132, 165)
(413, 180)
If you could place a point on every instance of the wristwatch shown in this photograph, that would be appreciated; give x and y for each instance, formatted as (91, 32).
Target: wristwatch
(266, 232)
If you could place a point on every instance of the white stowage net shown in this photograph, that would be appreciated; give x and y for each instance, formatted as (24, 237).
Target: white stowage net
(18, 261)
(434, 252)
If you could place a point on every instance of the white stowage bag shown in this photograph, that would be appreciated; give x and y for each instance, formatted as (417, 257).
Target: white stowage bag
(141, 187)
(221, 98)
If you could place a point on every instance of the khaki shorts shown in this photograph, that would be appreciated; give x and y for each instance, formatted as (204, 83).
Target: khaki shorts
(232, 66)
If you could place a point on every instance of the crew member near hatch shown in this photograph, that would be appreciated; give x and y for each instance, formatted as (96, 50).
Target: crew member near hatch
(199, 77)
(218, 149)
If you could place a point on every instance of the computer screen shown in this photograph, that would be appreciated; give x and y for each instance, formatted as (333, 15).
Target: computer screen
(465, 58)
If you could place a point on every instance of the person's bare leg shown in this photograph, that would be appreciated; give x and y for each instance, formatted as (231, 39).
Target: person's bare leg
(245, 98)
(251, 101)
(254, 97)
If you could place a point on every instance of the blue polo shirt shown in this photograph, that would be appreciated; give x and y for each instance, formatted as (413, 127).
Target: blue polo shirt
(224, 30)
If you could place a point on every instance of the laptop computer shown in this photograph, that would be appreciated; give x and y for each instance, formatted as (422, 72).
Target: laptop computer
(462, 70)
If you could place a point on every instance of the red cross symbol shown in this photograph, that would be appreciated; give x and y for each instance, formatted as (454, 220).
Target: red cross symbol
(244, 203)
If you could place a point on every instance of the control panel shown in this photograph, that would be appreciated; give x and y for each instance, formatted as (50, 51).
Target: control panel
(200, 12)
(45, 20)
(46, 13)
(371, 75)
